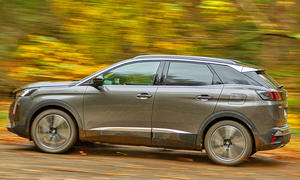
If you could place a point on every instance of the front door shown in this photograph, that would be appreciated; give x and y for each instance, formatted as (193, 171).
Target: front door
(188, 95)
(120, 111)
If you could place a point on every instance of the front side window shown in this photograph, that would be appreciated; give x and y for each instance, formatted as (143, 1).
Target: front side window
(188, 74)
(139, 73)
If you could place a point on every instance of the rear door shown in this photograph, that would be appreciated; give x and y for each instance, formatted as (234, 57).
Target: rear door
(188, 95)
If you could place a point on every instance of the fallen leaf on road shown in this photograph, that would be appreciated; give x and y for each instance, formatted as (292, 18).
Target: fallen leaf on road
(185, 159)
(115, 174)
(121, 153)
(82, 153)
(296, 175)
(69, 170)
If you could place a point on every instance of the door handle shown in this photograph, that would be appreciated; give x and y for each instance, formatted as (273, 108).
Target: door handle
(203, 97)
(143, 96)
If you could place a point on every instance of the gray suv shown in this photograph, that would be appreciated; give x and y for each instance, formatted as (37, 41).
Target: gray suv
(184, 102)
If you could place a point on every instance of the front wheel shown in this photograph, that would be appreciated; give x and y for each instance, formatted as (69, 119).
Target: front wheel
(228, 143)
(53, 131)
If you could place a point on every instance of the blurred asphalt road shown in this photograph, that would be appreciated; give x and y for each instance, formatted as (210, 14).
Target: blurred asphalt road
(20, 160)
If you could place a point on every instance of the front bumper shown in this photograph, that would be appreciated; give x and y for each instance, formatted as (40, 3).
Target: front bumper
(19, 130)
(17, 123)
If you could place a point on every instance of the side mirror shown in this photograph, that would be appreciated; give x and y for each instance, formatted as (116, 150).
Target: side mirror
(98, 81)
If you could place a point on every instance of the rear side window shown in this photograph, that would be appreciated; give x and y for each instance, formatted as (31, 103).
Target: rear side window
(188, 74)
(229, 75)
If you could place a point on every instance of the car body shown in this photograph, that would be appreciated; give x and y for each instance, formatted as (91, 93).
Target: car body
(167, 101)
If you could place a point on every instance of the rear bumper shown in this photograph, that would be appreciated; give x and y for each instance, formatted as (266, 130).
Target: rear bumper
(281, 135)
(278, 138)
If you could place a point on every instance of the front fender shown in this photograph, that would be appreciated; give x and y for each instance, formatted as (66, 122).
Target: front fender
(52, 103)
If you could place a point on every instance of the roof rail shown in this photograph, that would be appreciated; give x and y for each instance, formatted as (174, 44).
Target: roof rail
(200, 58)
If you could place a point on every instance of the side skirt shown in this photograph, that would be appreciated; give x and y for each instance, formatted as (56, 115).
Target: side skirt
(156, 137)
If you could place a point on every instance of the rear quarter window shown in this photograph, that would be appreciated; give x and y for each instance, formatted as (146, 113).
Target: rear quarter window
(262, 78)
(229, 75)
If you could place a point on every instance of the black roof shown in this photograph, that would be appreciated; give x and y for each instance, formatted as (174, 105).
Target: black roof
(200, 58)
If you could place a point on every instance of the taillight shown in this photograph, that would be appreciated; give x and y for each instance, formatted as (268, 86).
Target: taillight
(273, 139)
(270, 95)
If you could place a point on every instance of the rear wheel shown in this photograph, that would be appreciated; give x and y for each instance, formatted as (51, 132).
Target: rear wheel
(228, 142)
(53, 131)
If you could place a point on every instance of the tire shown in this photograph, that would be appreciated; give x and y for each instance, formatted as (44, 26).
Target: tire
(54, 131)
(252, 153)
(228, 143)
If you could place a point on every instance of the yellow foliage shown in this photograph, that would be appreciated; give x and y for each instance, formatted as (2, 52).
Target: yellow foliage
(285, 3)
(49, 59)
(269, 25)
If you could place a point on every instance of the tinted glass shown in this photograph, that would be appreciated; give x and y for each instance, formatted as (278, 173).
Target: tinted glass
(262, 78)
(229, 75)
(140, 73)
(189, 74)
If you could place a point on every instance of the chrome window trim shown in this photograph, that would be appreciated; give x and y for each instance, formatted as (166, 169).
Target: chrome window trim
(178, 86)
(248, 69)
(165, 85)
(236, 67)
(247, 85)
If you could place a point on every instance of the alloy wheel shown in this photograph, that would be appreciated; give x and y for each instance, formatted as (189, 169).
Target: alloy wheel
(53, 131)
(228, 143)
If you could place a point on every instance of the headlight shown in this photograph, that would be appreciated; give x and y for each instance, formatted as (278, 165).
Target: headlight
(24, 92)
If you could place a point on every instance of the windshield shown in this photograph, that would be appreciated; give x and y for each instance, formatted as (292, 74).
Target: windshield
(88, 77)
(263, 78)
(94, 74)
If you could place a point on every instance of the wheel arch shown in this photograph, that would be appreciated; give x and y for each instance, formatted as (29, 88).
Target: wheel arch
(227, 115)
(60, 105)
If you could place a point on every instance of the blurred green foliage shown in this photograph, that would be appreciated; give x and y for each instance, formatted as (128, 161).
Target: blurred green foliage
(294, 103)
(43, 40)
(296, 132)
